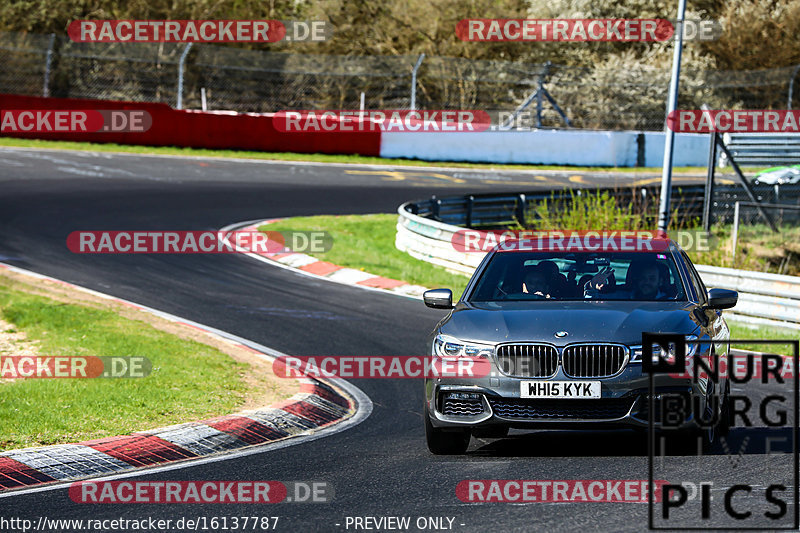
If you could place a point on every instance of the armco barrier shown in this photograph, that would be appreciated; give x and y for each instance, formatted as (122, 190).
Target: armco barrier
(198, 129)
(768, 299)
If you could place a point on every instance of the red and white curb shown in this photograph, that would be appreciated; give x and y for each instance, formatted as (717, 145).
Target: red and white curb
(319, 408)
(311, 266)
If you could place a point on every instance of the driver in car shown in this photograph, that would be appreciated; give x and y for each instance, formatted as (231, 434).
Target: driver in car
(646, 282)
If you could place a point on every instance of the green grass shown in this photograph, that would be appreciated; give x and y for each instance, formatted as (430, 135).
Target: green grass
(366, 242)
(757, 248)
(321, 158)
(740, 330)
(189, 380)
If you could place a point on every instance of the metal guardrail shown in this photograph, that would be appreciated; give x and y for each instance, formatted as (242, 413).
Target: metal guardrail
(500, 210)
(762, 149)
(768, 299)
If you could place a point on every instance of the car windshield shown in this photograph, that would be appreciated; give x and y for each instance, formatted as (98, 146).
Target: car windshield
(562, 276)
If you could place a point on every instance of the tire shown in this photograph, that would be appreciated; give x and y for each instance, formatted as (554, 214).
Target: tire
(725, 418)
(446, 442)
(710, 434)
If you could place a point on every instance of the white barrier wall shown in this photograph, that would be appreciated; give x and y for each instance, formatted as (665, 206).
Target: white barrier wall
(545, 147)
(689, 150)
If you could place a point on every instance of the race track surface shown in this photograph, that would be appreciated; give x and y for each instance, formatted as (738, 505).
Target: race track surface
(380, 467)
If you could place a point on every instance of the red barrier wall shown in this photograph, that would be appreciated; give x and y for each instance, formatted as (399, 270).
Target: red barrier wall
(198, 129)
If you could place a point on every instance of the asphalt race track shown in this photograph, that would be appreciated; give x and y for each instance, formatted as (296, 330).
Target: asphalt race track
(380, 467)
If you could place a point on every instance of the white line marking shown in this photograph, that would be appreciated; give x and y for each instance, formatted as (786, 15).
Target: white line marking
(374, 166)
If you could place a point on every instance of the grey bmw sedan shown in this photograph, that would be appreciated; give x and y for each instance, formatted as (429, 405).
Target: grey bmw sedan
(563, 333)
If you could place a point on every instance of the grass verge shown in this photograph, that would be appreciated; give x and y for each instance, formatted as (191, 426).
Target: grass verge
(741, 330)
(194, 375)
(366, 242)
(320, 158)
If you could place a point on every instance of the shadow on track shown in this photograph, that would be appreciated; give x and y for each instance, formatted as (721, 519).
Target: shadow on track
(628, 443)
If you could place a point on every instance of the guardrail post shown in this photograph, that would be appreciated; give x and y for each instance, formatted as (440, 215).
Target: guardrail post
(521, 209)
(470, 203)
(435, 207)
(48, 63)
(180, 75)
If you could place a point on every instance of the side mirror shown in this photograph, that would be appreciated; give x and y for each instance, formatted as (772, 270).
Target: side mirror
(438, 298)
(722, 298)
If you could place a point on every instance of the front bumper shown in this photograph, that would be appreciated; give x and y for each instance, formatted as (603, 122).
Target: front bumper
(495, 400)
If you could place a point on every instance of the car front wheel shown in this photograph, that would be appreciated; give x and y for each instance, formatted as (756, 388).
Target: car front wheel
(446, 441)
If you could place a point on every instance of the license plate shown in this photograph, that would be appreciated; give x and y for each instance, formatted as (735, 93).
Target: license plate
(567, 390)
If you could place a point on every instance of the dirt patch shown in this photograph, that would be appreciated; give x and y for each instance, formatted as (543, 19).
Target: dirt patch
(266, 387)
(14, 343)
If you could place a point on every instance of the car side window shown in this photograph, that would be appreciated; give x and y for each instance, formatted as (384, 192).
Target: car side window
(699, 286)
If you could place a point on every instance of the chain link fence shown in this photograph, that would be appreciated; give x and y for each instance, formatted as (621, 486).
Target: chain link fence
(784, 202)
(234, 79)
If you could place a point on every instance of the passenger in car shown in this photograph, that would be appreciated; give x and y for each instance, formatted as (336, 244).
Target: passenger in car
(536, 282)
(557, 281)
(601, 283)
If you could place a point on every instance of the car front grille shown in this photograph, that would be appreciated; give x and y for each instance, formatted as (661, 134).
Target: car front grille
(527, 360)
(535, 409)
(593, 360)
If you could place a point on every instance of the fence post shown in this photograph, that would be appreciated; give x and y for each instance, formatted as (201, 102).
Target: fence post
(540, 94)
(47, 65)
(791, 87)
(709, 196)
(735, 234)
(180, 75)
(414, 82)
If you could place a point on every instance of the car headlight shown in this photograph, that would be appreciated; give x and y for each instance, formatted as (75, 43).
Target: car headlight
(636, 351)
(450, 347)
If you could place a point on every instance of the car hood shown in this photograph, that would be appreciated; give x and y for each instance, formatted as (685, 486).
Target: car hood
(584, 321)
